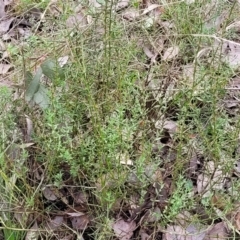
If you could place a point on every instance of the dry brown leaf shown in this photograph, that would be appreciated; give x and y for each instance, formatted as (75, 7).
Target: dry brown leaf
(170, 53)
(8, 2)
(234, 26)
(80, 197)
(229, 52)
(29, 131)
(151, 8)
(131, 14)
(5, 55)
(154, 173)
(211, 179)
(50, 193)
(21, 215)
(217, 231)
(2, 9)
(124, 230)
(153, 215)
(5, 25)
(55, 223)
(125, 159)
(78, 20)
(203, 53)
(216, 22)
(54, 8)
(121, 4)
(158, 45)
(188, 72)
(2, 45)
(148, 52)
(170, 126)
(4, 68)
(5, 83)
(144, 235)
(237, 220)
(167, 25)
(95, 4)
(182, 219)
(75, 214)
(80, 222)
(109, 180)
(63, 60)
(32, 233)
(179, 233)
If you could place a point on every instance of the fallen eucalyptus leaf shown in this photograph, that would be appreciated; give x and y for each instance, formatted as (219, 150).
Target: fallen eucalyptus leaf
(77, 21)
(4, 68)
(124, 230)
(63, 61)
(50, 193)
(80, 222)
(5, 25)
(170, 53)
(32, 233)
(122, 4)
(55, 223)
(2, 9)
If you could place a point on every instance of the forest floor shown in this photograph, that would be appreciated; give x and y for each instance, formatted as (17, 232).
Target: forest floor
(119, 119)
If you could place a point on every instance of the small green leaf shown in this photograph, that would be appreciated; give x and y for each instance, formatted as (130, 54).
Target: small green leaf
(41, 97)
(28, 78)
(33, 86)
(50, 69)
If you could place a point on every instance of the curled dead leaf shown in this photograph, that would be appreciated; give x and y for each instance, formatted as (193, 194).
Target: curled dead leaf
(151, 8)
(124, 230)
(75, 214)
(125, 159)
(32, 233)
(95, 4)
(2, 9)
(50, 193)
(229, 52)
(5, 68)
(5, 25)
(170, 53)
(5, 83)
(121, 4)
(80, 197)
(63, 60)
(55, 223)
(217, 231)
(192, 232)
(237, 220)
(144, 235)
(29, 132)
(150, 54)
(80, 222)
(234, 26)
(170, 126)
(131, 14)
(211, 179)
(78, 20)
